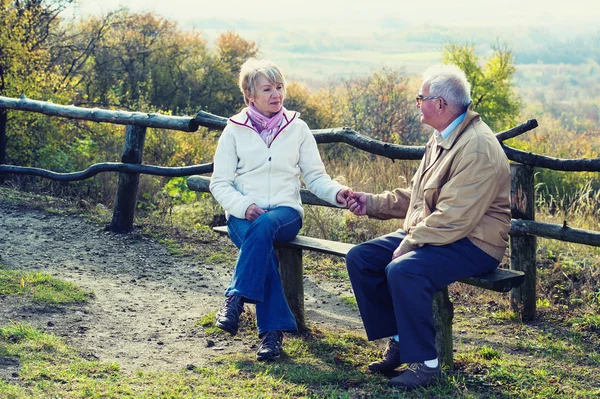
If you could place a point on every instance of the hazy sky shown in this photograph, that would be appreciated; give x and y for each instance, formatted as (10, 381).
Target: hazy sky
(434, 12)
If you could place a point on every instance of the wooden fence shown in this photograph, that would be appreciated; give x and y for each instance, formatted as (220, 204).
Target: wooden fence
(523, 231)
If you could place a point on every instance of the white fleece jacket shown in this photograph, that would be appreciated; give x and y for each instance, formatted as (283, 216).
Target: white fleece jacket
(246, 171)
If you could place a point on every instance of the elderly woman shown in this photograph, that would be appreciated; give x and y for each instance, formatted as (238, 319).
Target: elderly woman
(260, 156)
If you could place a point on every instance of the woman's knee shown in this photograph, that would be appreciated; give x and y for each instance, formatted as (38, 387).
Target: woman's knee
(262, 225)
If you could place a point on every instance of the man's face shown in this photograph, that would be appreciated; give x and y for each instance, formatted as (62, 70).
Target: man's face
(427, 107)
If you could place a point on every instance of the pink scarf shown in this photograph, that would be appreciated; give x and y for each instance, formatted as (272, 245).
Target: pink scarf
(264, 125)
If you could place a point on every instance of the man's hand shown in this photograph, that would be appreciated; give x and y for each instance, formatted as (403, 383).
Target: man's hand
(397, 253)
(357, 204)
(253, 212)
(343, 196)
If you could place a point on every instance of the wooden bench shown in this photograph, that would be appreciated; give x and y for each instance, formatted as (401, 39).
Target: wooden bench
(290, 266)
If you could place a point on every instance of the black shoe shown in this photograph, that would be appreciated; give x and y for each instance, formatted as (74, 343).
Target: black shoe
(228, 318)
(270, 346)
(416, 375)
(391, 358)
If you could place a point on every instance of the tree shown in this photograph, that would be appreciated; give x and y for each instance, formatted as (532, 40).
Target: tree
(492, 89)
(25, 40)
(219, 92)
(381, 107)
(298, 99)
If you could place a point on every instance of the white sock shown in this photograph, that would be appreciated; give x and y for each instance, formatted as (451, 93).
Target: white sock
(432, 363)
(396, 338)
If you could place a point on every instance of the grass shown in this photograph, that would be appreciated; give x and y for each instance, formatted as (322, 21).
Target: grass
(174, 248)
(587, 322)
(41, 287)
(498, 356)
(350, 302)
(322, 364)
(323, 266)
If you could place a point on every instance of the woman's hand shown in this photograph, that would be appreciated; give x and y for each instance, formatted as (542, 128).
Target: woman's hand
(253, 212)
(343, 196)
(357, 203)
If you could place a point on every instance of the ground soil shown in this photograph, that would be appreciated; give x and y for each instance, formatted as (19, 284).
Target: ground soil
(147, 303)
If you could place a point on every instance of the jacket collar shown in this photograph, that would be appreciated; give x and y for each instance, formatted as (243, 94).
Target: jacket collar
(242, 119)
(449, 141)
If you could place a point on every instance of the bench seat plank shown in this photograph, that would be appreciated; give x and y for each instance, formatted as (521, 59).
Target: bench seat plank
(312, 244)
(500, 280)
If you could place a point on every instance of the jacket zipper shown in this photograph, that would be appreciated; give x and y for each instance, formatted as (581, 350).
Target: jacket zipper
(269, 179)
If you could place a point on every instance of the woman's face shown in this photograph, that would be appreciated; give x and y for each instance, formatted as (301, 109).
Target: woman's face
(268, 97)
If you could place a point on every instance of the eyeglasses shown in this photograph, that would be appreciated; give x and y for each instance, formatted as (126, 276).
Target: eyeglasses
(420, 98)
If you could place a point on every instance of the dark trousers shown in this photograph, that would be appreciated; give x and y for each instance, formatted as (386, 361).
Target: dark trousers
(396, 296)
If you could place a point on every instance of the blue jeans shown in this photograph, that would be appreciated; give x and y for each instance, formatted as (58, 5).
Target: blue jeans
(396, 296)
(256, 274)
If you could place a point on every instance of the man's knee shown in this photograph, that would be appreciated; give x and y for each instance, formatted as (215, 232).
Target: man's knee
(355, 256)
(401, 270)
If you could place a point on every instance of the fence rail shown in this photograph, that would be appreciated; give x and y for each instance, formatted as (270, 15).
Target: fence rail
(335, 135)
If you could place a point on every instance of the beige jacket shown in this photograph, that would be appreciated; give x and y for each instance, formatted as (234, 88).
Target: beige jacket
(463, 191)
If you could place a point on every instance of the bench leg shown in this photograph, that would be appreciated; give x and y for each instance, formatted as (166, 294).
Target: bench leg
(443, 313)
(290, 268)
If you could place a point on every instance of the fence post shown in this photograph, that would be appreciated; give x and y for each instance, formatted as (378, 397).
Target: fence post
(3, 140)
(523, 248)
(126, 199)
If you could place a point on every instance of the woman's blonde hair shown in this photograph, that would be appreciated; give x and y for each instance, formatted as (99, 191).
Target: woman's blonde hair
(251, 71)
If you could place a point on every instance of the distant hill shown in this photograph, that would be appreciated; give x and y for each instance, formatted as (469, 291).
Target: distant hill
(318, 53)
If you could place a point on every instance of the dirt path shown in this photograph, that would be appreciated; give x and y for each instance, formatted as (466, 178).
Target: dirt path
(147, 302)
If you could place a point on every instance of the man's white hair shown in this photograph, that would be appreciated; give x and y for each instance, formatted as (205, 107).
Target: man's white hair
(449, 82)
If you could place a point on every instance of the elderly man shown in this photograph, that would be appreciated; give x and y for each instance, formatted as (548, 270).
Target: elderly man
(456, 221)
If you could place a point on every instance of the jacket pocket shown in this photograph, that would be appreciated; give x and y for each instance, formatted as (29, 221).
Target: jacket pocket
(430, 199)
(431, 194)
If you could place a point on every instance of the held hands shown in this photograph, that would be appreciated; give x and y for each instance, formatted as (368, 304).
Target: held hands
(343, 196)
(253, 212)
(354, 201)
(357, 203)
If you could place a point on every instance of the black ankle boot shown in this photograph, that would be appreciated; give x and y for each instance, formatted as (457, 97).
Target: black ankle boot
(270, 346)
(228, 318)
(391, 358)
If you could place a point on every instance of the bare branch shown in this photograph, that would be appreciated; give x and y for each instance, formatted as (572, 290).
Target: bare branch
(183, 123)
(109, 167)
(562, 233)
(542, 161)
(349, 136)
(517, 130)
(210, 121)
